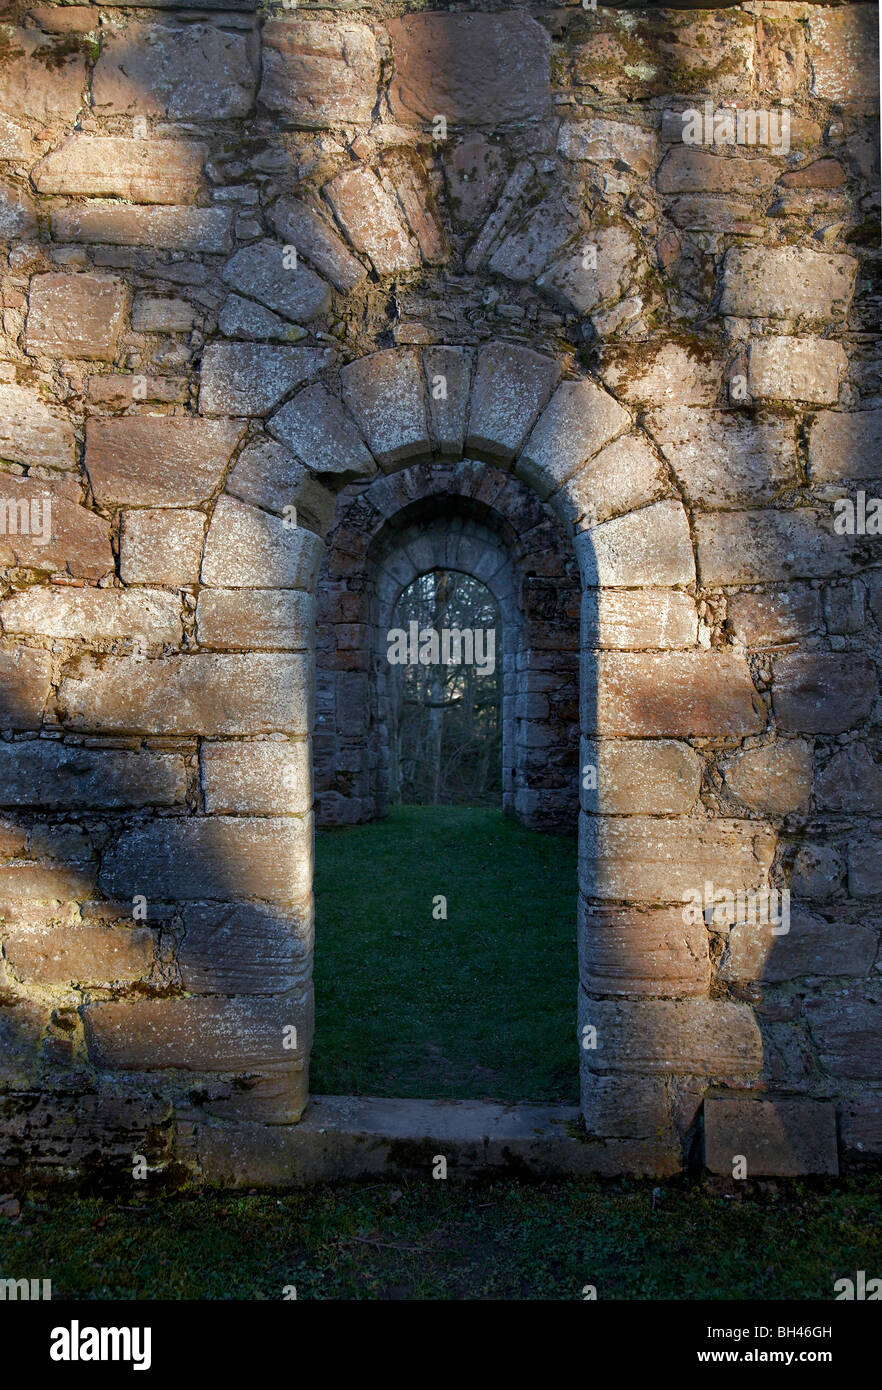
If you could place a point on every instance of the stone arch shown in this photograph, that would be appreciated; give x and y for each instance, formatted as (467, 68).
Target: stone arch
(485, 522)
(645, 682)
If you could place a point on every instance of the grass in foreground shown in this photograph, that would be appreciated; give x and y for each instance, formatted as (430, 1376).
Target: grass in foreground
(479, 1006)
(436, 1240)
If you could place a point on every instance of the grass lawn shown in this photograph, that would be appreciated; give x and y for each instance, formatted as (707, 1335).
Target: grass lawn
(480, 1006)
(437, 1240)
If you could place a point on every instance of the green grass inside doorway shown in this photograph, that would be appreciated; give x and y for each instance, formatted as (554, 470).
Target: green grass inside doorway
(480, 1006)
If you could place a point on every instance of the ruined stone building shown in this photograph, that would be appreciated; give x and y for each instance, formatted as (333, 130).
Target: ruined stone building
(582, 301)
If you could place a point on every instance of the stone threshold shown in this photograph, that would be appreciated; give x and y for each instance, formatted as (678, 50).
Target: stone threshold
(352, 1138)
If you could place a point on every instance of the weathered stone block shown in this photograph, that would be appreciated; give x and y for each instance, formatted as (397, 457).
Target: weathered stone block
(267, 475)
(788, 282)
(512, 385)
(220, 694)
(43, 527)
(261, 777)
(847, 1032)
(48, 87)
(578, 420)
(669, 374)
(185, 858)
(822, 692)
(371, 221)
(811, 947)
(769, 619)
(56, 954)
(776, 1138)
(255, 619)
(658, 1036)
(864, 869)
(142, 171)
(844, 50)
(845, 445)
(163, 228)
(18, 217)
(145, 614)
(796, 369)
(244, 948)
(239, 1034)
(301, 226)
(625, 951)
(259, 272)
(584, 283)
(74, 315)
(149, 70)
(320, 73)
(161, 547)
(323, 435)
(851, 782)
(630, 619)
(250, 379)
(247, 548)
(600, 140)
(158, 460)
(670, 694)
(24, 685)
(651, 777)
(686, 169)
(776, 779)
(651, 546)
(653, 860)
(723, 458)
(43, 772)
(475, 69)
(32, 431)
(385, 395)
(758, 547)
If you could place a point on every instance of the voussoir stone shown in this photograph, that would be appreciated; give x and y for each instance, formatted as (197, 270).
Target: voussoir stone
(301, 226)
(512, 385)
(110, 166)
(268, 475)
(671, 694)
(584, 282)
(74, 315)
(158, 460)
(249, 548)
(371, 221)
(789, 282)
(319, 430)
(651, 546)
(475, 69)
(259, 272)
(385, 394)
(200, 73)
(201, 693)
(448, 379)
(250, 378)
(320, 73)
(624, 475)
(579, 419)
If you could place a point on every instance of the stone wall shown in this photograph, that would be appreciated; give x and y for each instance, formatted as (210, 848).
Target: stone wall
(252, 258)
